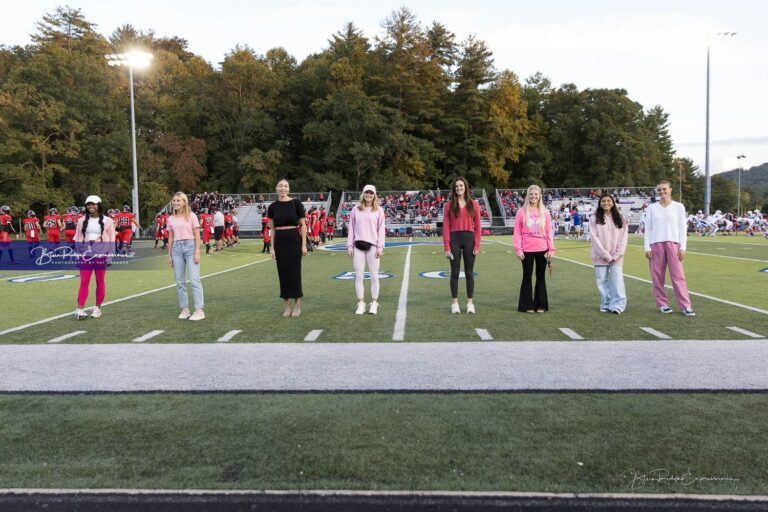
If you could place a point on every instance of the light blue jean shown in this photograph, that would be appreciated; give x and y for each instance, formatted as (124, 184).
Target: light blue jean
(610, 283)
(183, 256)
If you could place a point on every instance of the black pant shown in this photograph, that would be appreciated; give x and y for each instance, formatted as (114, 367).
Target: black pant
(462, 243)
(288, 256)
(534, 298)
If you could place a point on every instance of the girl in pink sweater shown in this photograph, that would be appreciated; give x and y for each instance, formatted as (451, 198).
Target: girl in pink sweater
(609, 241)
(365, 244)
(533, 244)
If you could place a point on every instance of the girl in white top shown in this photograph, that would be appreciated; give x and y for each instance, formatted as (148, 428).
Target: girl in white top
(184, 254)
(365, 244)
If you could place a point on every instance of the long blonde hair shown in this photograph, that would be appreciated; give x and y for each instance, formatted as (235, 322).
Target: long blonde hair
(185, 211)
(374, 202)
(540, 207)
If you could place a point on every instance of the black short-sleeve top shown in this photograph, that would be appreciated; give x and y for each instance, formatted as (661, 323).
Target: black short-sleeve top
(286, 213)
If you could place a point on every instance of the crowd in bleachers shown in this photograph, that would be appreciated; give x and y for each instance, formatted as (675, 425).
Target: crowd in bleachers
(212, 200)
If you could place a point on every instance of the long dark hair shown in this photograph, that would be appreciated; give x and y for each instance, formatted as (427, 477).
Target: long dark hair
(615, 215)
(467, 199)
(88, 218)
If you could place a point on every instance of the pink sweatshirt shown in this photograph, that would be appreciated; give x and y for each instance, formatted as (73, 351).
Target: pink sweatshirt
(368, 226)
(461, 223)
(608, 242)
(535, 237)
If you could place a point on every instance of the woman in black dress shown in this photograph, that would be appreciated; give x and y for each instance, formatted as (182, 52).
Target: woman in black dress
(289, 235)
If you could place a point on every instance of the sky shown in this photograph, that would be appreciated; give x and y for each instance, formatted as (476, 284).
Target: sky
(656, 50)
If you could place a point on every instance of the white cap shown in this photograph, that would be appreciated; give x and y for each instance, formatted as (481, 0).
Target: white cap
(93, 199)
(369, 187)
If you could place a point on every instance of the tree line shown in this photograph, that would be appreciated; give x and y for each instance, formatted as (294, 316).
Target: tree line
(411, 108)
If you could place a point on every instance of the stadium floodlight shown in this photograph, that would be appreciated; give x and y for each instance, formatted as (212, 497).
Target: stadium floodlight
(707, 177)
(741, 166)
(134, 59)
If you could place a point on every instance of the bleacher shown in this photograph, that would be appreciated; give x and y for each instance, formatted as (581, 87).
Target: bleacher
(413, 212)
(630, 201)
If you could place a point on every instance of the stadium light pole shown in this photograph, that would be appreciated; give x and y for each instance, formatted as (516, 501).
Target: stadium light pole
(741, 166)
(707, 177)
(135, 59)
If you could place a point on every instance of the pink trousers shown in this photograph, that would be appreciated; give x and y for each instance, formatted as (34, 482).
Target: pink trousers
(663, 255)
(85, 282)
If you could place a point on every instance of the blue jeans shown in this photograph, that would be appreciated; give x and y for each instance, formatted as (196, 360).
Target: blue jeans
(183, 256)
(610, 283)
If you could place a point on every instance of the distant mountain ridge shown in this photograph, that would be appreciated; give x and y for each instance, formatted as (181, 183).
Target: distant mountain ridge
(754, 177)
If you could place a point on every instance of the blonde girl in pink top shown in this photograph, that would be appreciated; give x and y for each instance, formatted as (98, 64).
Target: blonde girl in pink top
(609, 242)
(184, 255)
(533, 245)
(367, 231)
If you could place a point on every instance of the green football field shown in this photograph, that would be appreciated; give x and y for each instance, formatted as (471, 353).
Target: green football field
(703, 442)
(241, 293)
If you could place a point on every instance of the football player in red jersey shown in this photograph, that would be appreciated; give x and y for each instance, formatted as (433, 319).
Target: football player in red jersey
(265, 234)
(32, 230)
(70, 224)
(206, 221)
(159, 228)
(165, 216)
(53, 226)
(125, 222)
(235, 227)
(330, 226)
(6, 228)
(228, 229)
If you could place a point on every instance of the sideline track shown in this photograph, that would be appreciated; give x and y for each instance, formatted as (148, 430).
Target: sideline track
(484, 366)
(87, 500)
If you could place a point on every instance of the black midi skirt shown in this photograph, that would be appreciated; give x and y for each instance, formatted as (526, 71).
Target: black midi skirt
(287, 243)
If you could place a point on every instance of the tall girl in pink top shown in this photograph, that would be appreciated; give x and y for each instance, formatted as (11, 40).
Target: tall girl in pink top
(461, 238)
(609, 241)
(95, 233)
(184, 255)
(365, 245)
(533, 244)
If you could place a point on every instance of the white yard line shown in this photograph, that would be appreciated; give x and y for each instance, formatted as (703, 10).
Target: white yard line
(484, 334)
(658, 334)
(149, 335)
(402, 304)
(64, 315)
(313, 335)
(571, 333)
(31, 275)
(228, 336)
(746, 332)
(66, 337)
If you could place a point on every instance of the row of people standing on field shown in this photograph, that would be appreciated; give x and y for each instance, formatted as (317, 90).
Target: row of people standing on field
(665, 244)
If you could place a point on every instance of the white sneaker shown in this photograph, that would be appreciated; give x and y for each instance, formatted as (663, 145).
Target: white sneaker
(96, 312)
(455, 309)
(197, 315)
(80, 314)
(373, 308)
(360, 308)
(184, 314)
(470, 309)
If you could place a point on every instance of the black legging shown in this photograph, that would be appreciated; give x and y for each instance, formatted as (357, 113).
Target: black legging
(539, 294)
(462, 243)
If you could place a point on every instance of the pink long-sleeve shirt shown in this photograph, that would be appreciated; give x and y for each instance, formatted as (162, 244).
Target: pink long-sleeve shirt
(608, 241)
(368, 226)
(461, 223)
(536, 236)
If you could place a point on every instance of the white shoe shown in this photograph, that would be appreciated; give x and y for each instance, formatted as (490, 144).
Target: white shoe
(197, 315)
(470, 309)
(360, 308)
(96, 312)
(373, 308)
(80, 314)
(184, 314)
(455, 309)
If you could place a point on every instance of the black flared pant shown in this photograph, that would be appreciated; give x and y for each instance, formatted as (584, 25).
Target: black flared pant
(287, 246)
(531, 298)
